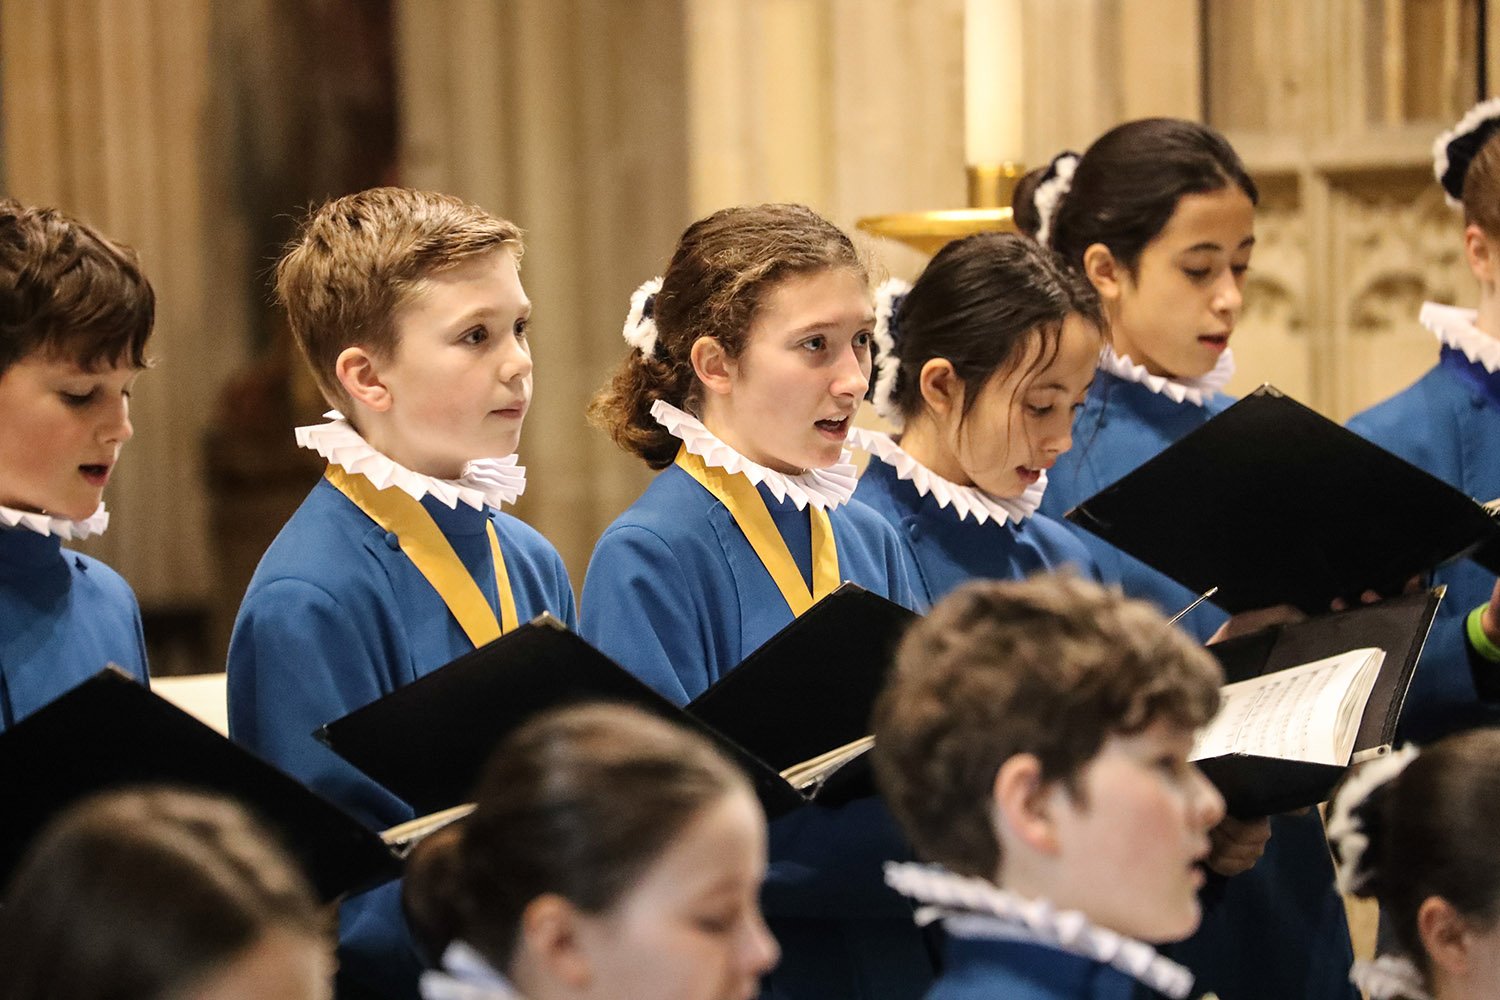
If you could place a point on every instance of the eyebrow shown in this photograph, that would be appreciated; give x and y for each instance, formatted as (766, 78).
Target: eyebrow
(826, 325)
(1248, 241)
(484, 312)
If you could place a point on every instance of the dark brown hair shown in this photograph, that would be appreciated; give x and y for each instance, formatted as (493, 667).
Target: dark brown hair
(1431, 832)
(69, 292)
(1049, 666)
(578, 802)
(718, 277)
(357, 259)
(1128, 183)
(980, 303)
(1482, 188)
(137, 894)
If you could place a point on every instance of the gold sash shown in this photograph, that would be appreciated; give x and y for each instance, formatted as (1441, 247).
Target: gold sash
(744, 503)
(427, 548)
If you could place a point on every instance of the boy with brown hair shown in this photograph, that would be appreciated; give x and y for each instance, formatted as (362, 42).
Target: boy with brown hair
(75, 315)
(1033, 743)
(409, 309)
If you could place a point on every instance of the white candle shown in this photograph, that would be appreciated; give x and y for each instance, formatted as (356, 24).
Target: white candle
(992, 81)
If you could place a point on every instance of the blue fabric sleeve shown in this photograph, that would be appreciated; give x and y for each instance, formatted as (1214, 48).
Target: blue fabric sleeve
(640, 610)
(298, 660)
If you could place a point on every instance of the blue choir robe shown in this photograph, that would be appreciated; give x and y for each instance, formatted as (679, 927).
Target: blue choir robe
(944, 550)
(988, 969)
(64, 617)
(336, 617)
(1278, 930)
(1447, 423)
(675, 593)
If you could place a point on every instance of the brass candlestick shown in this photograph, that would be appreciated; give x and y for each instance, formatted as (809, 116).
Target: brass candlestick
(990, 188)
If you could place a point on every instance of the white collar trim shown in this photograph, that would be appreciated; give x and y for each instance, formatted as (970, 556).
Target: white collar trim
(973, 908)
(1196, 391)
(966, 501)
(64, 528)
(492, 481)
(825, 489)
(465, 975)
(1455, 328)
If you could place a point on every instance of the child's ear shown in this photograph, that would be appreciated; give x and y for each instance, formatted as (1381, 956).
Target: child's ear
(551, 937)
(712, 364)
(1022, 806)
(1104, 272)
(1480, 252)
(1444, 934)
(942, 390)
(356, 371)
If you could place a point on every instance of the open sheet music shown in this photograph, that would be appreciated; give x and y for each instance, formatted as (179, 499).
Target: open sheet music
(1310, 712)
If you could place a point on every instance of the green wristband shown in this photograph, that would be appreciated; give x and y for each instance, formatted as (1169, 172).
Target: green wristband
(1481, 642)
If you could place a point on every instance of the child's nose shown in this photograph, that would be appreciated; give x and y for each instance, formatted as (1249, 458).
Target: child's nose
(853, 375)
(516, 363)
(117, 428)
(1228, 296)
(1209, 803)
(761, 952)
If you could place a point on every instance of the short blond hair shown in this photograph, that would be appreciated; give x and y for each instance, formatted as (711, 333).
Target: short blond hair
(357, 259)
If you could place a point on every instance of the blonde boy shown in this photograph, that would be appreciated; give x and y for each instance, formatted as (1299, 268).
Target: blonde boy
(75, 315)
(1033, 744)
(410, 312)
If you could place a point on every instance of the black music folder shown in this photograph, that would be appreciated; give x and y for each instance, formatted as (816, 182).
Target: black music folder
(1254, 785)
(111, 732)
(806, 692)
(1274, 503)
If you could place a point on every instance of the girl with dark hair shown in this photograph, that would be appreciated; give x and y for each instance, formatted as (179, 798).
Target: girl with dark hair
(982, 364)
(1448, 423)
(1159, 214)
(751, 355)
(610, 854)
(1415, 831)
(161, 895)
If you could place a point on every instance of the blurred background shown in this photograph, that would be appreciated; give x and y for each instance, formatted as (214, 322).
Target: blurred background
(200, 131)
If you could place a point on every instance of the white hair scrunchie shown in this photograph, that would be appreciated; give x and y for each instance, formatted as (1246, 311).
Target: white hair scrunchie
(1345, 828)
(640, 327)
(887, 365)
(1049, 193)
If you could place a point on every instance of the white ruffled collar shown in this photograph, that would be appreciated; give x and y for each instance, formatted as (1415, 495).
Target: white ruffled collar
(1455, 328)
(62, 527)
(1196, 391)
(966, 501)
(492, 481)
(973, 908)
(465, 975)
(825, 489)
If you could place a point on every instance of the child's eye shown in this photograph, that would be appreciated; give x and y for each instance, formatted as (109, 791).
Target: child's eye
(814, 344)
(78, 399)
(1197, 273)
(1039, 411)
(863, 338)
(522, 328)
(477, 335)
(715, 924)
(1239, 269)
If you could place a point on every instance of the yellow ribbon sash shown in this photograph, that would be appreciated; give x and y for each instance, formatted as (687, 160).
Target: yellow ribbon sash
(424, 544)
(744, 503)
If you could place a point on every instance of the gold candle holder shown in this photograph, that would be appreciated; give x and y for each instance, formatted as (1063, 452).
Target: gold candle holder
(990, 188)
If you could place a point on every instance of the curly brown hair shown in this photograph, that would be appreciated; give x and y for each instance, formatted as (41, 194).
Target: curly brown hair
(1049, 666)
(719, 275)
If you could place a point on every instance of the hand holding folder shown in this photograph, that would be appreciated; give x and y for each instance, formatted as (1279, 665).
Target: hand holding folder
(1322, 693)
